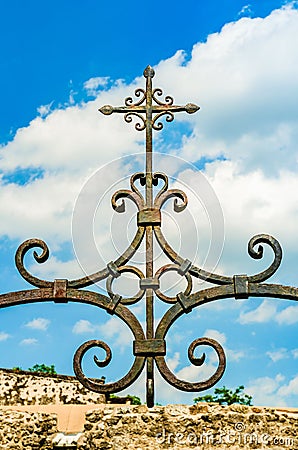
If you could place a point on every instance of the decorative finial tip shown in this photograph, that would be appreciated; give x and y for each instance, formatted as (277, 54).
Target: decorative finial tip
(191, 108)
(149, 72)
(106, 110)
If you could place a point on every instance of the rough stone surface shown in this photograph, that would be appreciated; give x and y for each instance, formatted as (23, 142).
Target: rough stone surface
(201, 427)
(25, 431)
(27, 388)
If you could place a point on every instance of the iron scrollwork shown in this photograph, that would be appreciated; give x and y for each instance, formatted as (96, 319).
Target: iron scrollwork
(149, 346)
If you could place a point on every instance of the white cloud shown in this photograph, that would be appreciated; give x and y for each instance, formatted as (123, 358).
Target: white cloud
(215, 334)
(83, 326)
(267, 311)
(289, 389)
(295, 353)
(174, 362)
(245, 11)
(38, 324)
(193, 373)
(266, 391)
(29, 341)
(278, 355)
(53, 268)
(263, 313)
(4, 336)
(232, 355)
(44, 110)
(94, 83)
(288, 316)
(113, 330)
(119, 332)
(242, 88)
(73, 139)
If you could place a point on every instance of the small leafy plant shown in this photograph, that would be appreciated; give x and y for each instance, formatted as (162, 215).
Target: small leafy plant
(225, 396)
(42, 368)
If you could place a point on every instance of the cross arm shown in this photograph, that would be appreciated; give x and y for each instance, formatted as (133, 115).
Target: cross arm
(190, 108)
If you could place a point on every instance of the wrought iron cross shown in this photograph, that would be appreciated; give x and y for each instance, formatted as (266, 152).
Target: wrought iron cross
(150, 105)
(153, 109)
(149, 347)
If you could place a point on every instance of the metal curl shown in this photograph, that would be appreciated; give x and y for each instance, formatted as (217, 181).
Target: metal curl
(258, 254)
(117, 386)
(125, 193)
(168, 99)
(168, 268)
(96, 343)
(160, 176)
(183, 385)
(159, 125)
(138, 176)
(127, 300)
(166, 195)
(138, 92)
(19, 261)
(138, 126)
(135, 327)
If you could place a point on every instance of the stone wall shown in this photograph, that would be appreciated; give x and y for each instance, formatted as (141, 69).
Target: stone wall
(27, 431)
(202, 427)
(27, 388)
(177, 427)
(33, 405)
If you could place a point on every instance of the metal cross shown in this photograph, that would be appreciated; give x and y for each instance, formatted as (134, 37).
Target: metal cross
(154, 109)
(150, 347)
(149, 122)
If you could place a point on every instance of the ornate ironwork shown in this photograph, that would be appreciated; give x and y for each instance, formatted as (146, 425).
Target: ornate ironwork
(149, 346)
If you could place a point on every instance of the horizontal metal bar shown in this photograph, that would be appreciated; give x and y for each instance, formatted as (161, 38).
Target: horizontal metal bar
(149, 347)
(149, 283)
(149, 216)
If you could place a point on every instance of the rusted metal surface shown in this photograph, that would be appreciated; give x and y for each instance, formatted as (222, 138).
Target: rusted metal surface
(149, 345)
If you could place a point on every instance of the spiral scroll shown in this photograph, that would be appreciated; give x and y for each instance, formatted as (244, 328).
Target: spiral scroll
(117, 386)
(163, 196)
(159, 125)
(138, 93)
(142, 179)
(139, 361)
(139, 126)
(24, 248)
(258, 254)
(183, 385)
(125, 193)
(158, 92)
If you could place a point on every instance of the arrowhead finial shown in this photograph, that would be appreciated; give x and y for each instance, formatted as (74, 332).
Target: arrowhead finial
(149, 72)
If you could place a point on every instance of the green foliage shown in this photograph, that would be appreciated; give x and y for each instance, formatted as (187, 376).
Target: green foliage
(42, 368)
(225, 396)
(134, 400)
(17, 369)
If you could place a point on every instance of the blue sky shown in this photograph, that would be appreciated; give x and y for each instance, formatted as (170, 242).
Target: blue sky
(61, 61)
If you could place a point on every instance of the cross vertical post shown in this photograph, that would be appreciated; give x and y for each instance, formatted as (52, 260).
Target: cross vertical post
(149, 74)
(153, 109)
